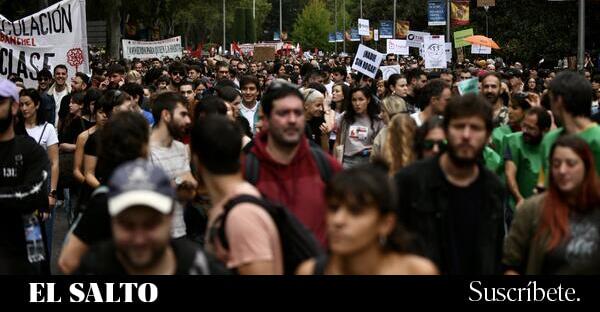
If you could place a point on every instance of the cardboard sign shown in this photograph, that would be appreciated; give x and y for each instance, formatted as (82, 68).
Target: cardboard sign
(367, 61)
(387, 71)
(363, 27)
(459, 38)
(397, 46)
(416, 38)
(435, 52)
(478, 49)
(262, 54)
(468, 86)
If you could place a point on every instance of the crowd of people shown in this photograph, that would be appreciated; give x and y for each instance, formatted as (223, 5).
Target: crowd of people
(226, 165)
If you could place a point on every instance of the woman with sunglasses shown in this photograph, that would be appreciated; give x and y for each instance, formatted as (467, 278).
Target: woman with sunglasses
(359, 126)
(559, 230)
(430, 138)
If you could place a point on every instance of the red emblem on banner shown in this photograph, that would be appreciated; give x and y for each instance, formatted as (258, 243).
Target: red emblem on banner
(75, 58)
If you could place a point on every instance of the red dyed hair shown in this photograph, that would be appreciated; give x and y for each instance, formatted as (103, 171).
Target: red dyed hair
(555, 210)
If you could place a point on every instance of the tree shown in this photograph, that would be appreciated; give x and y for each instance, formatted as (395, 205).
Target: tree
(313, 26)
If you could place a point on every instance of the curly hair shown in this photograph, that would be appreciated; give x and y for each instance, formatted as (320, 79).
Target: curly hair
(398, 147)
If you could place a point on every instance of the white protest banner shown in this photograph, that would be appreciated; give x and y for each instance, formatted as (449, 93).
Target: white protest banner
(435, 52)
(55, 35)
(415, 38)
(479, 49)
(387, 71)
(150, 49)
(397, 46)
(449, 52)
(367, 61)
(363, 27)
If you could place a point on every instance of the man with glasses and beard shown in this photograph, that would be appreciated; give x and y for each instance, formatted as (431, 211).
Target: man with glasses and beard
(172, 121)
(523, 154)
(178, 73)
(453, 203)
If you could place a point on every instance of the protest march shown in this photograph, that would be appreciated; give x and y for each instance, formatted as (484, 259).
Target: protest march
(417, 146)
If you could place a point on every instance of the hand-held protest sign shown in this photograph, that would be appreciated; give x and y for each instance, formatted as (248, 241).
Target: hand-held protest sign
(52, 36)
(363, 27)
(459, 38)
(479, 49)
(468, 86)
(435, 52)
(415, 38)
(150, 49)
(386, 30)
(367, 61)
(387, 71)
(436, 13)
(396, 46)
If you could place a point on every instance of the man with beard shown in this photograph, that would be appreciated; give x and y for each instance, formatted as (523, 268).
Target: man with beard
(222, 71)
(140, 204)
(23, 173)
(79, 83)
(416, 79)
(178, 73)
(523, 154)
(491, 88)
(453, 203)
(571, 103)
(116, 76)
(171, 121)
(59, 89)
(283, 166)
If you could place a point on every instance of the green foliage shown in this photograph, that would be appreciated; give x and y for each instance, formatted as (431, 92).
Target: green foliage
(250, 27)
(239, 27)
(313, 26)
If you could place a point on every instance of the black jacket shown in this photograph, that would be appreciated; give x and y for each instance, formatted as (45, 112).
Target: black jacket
(423, 210)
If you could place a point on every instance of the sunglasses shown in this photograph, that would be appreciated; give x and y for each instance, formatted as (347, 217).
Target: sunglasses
(180, 74)
(429, 144)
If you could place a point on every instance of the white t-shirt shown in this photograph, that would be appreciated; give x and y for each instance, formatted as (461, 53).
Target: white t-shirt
(175, 161)
(417, 118)
(329, 87)
(44, 137)
(58, 96)
(249, 113)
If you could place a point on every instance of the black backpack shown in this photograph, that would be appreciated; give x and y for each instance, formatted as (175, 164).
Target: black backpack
(252, 165)
(297, 242)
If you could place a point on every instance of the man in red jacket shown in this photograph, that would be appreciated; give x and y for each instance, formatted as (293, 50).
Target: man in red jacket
(284, 166)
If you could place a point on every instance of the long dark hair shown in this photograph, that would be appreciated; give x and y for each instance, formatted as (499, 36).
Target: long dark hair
(41, 116)
(78, 98)
(368, 186)
(555, 210)
(372, 108)
(347, 98)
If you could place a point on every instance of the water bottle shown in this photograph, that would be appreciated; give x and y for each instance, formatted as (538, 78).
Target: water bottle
(33, 237)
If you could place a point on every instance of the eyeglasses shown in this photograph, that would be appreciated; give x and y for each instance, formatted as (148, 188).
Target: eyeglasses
(223, 72)
(429, 144)
(180, 74)
(44, 79)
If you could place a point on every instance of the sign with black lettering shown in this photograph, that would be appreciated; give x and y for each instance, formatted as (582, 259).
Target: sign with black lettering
(367, 61)
(150, 49)
(52, 36)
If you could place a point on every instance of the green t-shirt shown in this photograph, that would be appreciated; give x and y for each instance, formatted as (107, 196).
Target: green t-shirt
(493, 161)
(528, 160)
(591, 135)
(498, 136)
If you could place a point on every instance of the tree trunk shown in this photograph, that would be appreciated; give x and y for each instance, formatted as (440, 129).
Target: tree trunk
(114, 28)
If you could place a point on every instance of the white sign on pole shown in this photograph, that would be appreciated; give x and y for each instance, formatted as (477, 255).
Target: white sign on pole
(449, 52)
(415, 38)
(55, 35)
(376, 34)
(363, 27)
(397, 46)
(367, 61)
(387, 71)
(435, 52)
(479, 49)
(150, 49)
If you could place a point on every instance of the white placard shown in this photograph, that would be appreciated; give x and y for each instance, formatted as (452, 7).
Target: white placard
(363, 27)
(55, 35)
(367, 61)
(376, 34)
(387, 71)
(449, 52)
(416, 38)
(397, 46)
(478, 49)
(150, 49)
(434, 52)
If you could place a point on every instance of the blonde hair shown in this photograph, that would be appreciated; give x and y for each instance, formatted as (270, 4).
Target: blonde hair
(311, 95)
(398, 147)
(133, 76)
(393, 105)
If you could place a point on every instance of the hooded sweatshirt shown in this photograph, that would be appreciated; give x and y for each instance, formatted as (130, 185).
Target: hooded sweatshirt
(298, 186)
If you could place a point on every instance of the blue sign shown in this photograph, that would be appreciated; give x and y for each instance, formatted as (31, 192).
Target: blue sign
(339, 36)
(331, 37)
(437, 13)
(276, 36)
(354, 36)
(386, 29)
